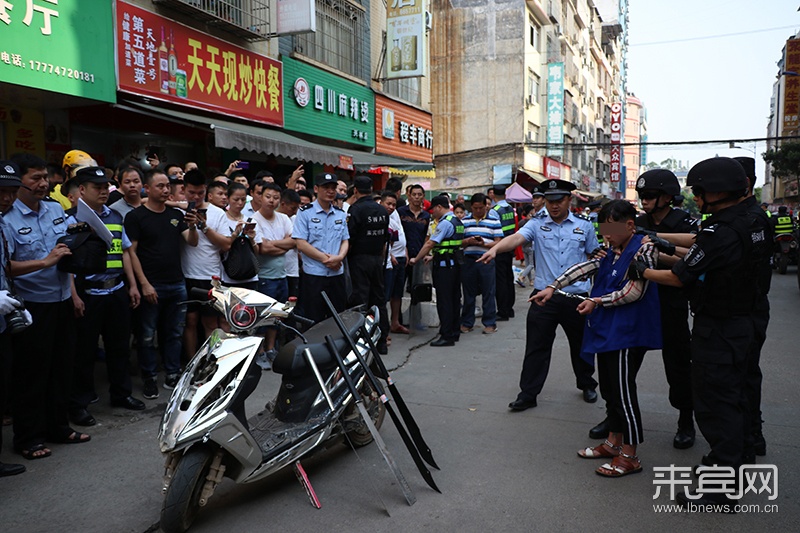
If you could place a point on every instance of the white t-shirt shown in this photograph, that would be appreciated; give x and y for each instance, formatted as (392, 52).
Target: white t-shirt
(398, 248)
(203, 261)
(226, 226)
(273, 266)
(290, 261)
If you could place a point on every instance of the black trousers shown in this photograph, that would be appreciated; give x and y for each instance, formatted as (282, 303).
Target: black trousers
(504, 288)
(719, 362)
(107, 315)
(5, 365)
(617, 373)
(676, 354)
(310, 303)
(447, 282)
(541, 332)
(368, 275)
(42, 374)
(753, 376)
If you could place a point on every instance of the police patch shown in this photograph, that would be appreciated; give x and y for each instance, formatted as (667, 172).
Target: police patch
(545, 228)
(58, 220)
(338, 221)
(316, 220)
(640, 183)
(24, 231)
(694, 256)
(579, 231)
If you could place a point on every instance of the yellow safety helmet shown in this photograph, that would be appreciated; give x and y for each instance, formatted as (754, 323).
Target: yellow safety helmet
(75, 159)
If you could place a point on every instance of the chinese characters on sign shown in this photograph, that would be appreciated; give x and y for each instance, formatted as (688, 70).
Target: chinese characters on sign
(616, 137)
(405, 39)
(402, 130)
(756, 479)
(791, 90)
(555, 108)
(31, 8)
(160, 58)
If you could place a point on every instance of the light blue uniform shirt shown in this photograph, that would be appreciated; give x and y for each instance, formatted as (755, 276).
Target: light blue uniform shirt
(3, 284)
(32, 236)
(557, 247)
(444, 230)
(325, 232)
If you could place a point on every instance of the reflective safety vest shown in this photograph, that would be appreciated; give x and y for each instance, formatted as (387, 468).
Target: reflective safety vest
(784, 225)
(596, 225)
(113, 221)
(506, 213)
(453, 244)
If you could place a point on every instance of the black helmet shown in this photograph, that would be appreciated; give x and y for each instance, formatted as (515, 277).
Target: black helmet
(719, 174)
(659, 179)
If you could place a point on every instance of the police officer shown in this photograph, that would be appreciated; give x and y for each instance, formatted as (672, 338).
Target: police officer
(103, 303)
(504, 272)
(42, 353)
(446, 246)
(783, 223)
(560, 239)
(537, 200)
(755, 444)
(657, 189)
(368, 224)
(322, 237)
(719, 270)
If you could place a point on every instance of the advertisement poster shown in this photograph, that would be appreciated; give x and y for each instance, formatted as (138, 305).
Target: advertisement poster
(615, 172)
(165, 60)
(405, 39)
(791, 88)
(555, 108)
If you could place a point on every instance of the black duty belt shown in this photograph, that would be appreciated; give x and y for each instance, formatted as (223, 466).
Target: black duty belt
(105, 284)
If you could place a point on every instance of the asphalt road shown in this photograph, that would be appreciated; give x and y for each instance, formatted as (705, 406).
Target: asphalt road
(500, 471)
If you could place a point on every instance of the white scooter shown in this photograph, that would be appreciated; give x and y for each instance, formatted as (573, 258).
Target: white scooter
(205, 433)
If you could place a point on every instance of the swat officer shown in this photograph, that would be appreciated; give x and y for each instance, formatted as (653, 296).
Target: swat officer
(504, 272)
(446, 246)
(719, 270)
(103, 303)
(320, 231)
(368, 224)
(560, 239)
(657, 189)
(755, 444)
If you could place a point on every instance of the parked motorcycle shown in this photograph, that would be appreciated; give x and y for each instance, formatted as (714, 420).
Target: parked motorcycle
(785, 252)
(205, 432)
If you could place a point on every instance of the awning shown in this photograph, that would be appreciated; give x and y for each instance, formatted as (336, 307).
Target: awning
(591, 195)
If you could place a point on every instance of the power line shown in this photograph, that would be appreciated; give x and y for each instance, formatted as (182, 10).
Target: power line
(706, 37)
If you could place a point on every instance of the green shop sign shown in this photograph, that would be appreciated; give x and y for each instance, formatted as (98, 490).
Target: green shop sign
(65, 47)
(323, 104)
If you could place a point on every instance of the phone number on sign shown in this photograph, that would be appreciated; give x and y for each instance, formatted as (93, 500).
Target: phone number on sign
(49, 68)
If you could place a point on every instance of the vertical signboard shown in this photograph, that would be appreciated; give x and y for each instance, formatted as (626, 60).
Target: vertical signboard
(555, 108)
(296, 16)
(64, 48)
(405, 39)
(162, 59)
(791, 91)
(616, 138)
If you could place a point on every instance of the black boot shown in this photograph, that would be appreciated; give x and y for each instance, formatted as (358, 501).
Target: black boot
(684, 438)
(600, 431)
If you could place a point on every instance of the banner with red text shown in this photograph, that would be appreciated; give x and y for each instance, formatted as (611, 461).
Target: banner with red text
(616, 138)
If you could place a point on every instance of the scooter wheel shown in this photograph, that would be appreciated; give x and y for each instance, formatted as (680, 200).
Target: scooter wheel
(360, 435)
(182, 501)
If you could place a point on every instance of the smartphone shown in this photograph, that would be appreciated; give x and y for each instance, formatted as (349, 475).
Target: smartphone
(244, 164)
(202, 212)
(250, 226)
(191, 206)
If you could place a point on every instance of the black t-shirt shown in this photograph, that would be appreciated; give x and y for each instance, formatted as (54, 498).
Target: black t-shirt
(368, 223)
(159, 242)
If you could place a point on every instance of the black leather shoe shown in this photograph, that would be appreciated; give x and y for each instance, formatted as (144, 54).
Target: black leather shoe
(82, 417)
(521, 405)
(382, 348)
(442, 342)
(684, 438)
(600, 431)
(589, 395)
(11, 469)
(502, 318)
(129, 403)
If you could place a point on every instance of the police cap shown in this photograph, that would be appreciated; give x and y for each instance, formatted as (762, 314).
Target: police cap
(499, 190)
(659, 179)
(537, 191)
(91, 175)
(719, 174)
(557, 188)
(9, 174)
(325, 178)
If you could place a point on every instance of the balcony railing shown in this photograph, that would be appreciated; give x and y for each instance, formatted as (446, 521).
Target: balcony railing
(247, 19)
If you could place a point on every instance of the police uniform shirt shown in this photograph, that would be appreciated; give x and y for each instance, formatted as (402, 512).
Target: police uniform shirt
(126, 243)
(368, 224)
(676, 221)
(716, 246)
(3, 260)
(324, 231)
(557, 247)
(444, 230)
(31, 236)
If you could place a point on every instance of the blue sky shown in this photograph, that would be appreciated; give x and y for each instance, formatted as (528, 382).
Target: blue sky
(707, 89)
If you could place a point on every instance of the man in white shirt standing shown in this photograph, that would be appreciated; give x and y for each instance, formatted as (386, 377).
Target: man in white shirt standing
(290, 203)
(395, 262)
(275, 230)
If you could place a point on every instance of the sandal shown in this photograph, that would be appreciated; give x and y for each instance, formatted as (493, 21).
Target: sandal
(606, 449)
(73, 438)
(32, 453)
(622, 465)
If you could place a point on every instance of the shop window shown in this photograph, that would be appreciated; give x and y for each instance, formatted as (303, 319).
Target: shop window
(341, 39)
(535, 32)
(405, 89)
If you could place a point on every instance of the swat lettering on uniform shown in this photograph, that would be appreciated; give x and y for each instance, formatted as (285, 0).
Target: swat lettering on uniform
(694, 256)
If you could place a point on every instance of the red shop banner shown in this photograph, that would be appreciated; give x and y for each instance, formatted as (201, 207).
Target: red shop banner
(165, 60)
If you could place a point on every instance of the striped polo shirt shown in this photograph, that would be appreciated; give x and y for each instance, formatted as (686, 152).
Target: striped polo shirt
(489, 228)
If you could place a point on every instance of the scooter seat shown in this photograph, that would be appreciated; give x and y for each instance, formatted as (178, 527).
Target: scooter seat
(291, 362)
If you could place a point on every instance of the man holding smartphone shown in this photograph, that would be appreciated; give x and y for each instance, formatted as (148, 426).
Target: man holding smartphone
(482, 230)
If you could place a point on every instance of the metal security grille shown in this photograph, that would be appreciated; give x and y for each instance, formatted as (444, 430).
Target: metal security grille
(340, 39)
(249, 19)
